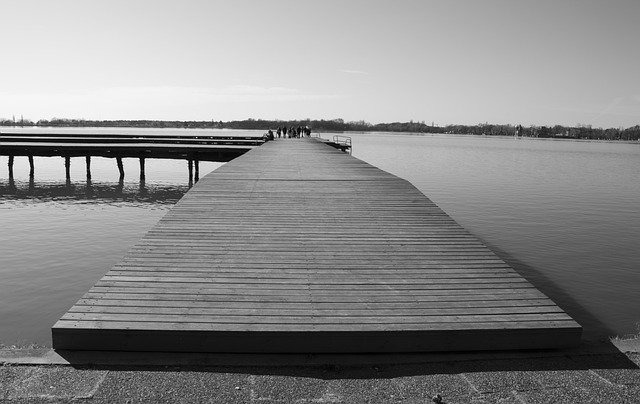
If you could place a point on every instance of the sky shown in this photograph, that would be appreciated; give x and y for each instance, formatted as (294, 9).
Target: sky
(537, 62)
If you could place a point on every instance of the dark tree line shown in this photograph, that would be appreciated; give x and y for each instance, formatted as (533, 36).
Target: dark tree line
(557, 131)
(339, 125)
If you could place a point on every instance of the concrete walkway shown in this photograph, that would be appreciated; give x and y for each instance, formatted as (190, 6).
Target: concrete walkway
(596, 374)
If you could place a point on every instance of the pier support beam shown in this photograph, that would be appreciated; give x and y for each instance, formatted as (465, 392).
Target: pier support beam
(197, 169)
(190, 165)
(67, 168)
(120, 167)
(142, 174)
(87, 160)
(10, 164)
(31, 168)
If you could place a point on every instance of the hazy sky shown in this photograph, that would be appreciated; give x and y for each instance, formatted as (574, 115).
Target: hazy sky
(511, 61)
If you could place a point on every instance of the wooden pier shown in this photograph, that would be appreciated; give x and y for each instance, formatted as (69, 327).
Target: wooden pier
(298, 247)
(206, 146)
(191, 146)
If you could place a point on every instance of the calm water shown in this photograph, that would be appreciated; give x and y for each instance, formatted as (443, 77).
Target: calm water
(565, 214)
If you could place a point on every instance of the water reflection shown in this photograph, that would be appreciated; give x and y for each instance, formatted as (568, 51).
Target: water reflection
(89, 191)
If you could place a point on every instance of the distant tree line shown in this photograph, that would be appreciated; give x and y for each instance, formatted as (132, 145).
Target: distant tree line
(339, 125)
(557, 131)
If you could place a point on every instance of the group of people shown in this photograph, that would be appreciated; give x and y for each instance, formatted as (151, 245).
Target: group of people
(288, 133)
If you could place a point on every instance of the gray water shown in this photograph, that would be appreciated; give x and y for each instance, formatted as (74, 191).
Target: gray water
(563, 213)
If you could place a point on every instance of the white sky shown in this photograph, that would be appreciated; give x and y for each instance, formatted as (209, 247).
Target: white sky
(538, 62)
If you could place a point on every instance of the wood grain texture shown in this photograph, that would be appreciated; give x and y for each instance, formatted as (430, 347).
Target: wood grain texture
(297, 247)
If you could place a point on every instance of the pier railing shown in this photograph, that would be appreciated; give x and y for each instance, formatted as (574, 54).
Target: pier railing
(344, 141)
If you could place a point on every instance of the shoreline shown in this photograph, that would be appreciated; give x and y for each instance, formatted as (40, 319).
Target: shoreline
(322, 131)
(574, 375)
(41, 354)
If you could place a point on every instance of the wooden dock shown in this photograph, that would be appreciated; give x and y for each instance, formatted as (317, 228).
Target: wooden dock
(298, 247)
(192, 146)
(203, 146)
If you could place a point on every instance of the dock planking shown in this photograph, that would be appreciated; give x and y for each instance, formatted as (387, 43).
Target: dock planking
(297, 247)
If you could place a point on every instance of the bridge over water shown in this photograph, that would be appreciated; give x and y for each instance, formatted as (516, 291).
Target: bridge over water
(295, 246)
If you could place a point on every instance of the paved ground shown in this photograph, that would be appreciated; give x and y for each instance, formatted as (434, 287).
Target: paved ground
(587, 374)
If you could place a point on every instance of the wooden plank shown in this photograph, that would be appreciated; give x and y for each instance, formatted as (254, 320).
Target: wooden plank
(297, 247)
(140, 301)
(317, 294)
(432, 300)
(291, 313)
(379, 322)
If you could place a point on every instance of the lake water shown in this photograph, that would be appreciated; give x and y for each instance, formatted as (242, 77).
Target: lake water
(565, 214)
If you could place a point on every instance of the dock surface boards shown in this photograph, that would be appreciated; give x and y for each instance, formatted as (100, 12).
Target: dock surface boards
(297, 247)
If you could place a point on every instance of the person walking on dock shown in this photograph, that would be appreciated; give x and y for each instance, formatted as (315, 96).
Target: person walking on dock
(518, 130)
